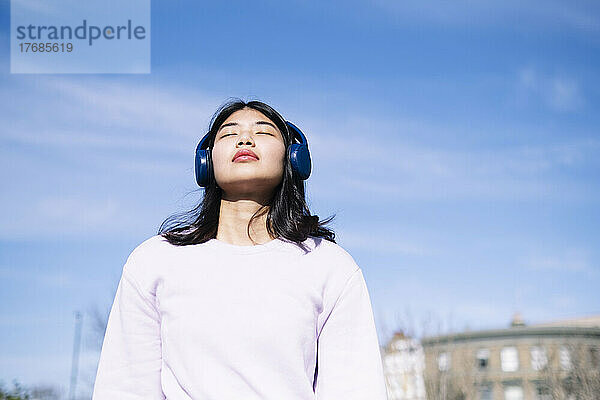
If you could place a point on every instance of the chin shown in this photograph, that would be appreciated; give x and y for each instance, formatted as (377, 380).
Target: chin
(248, 184)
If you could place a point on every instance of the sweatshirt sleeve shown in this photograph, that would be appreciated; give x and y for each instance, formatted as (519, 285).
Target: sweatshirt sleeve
(349, 363)
(130, 360)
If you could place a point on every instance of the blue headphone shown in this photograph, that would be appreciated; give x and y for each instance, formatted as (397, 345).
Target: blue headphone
(297, 153)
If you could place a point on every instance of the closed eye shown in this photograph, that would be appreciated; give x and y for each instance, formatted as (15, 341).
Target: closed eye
(257, 133)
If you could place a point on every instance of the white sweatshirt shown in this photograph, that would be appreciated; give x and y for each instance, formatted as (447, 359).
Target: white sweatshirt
(217, 321)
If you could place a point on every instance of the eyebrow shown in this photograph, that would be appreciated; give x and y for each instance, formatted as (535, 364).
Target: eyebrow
(257, 123)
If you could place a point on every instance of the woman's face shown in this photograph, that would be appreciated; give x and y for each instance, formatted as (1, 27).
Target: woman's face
(248, 129)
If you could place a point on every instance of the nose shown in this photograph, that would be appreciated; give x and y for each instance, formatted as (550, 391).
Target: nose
(245, 140)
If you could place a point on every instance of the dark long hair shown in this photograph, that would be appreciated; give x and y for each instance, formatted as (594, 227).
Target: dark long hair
(288, 215)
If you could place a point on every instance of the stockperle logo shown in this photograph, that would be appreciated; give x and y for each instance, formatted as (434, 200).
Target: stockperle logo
(83, 32)
(91, 36)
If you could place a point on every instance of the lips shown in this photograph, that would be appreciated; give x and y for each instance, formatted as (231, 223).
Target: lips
(246, 154)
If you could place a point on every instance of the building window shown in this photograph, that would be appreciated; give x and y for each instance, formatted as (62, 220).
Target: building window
(538, 358)
(513, 393)
(565, 358)
(483, 357)
(485, 393)
(594, 357)
(509, 358)
(542, 393)
(444, 361)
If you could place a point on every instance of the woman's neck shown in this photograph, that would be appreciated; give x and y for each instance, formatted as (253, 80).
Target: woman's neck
(234, 217)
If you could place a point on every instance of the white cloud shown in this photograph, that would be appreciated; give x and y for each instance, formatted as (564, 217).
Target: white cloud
(565, 302)
(570, 259)
(171, 111)
(54, 279)
(146, 133)
(559, 93)
(13, 321)
(564, 94)
(91, 139)
(74, 209)
(72, 148)
(100, 113)
(391, 243)
(387, 167)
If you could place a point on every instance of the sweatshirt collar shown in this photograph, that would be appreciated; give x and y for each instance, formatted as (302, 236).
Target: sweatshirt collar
(274, 244)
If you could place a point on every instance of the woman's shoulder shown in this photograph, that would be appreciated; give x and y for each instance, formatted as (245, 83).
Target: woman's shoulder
(151, 247)
(337, 268)
(329, 247)
(148, 255)
(335, 256)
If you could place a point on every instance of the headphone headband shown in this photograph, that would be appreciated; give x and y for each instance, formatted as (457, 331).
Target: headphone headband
(298, 132)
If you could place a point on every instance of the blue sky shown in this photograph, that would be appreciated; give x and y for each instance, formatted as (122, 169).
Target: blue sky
(457, 144)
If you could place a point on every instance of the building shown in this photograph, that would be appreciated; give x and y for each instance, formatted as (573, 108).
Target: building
(557, 360)
(403, 364)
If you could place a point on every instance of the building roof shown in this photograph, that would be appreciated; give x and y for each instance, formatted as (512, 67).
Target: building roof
(582, 327)
(591, 321)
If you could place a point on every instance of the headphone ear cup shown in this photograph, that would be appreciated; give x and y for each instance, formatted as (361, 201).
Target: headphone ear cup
(209, 167)
(300, 160)
(203, 166)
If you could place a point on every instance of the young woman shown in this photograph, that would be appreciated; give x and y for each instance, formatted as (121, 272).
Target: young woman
(247, 296)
